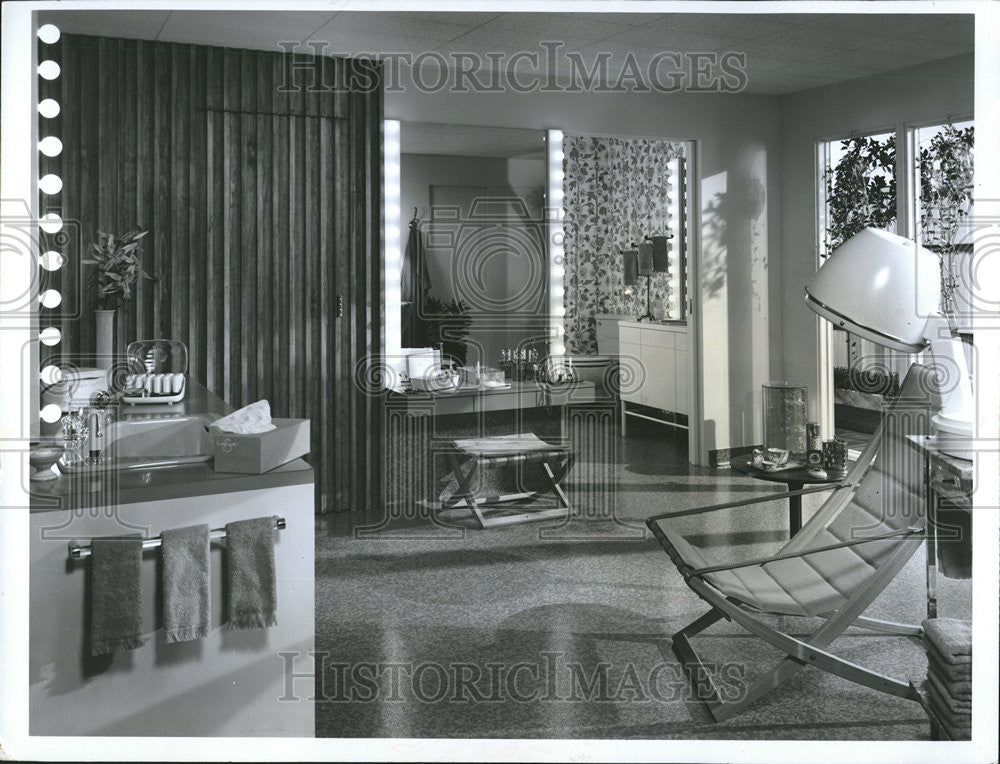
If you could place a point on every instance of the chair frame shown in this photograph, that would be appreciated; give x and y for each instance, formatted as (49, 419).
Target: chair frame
(464, 496)
(810, 651)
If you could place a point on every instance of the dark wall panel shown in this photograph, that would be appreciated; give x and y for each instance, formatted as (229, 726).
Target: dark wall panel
(263, 205)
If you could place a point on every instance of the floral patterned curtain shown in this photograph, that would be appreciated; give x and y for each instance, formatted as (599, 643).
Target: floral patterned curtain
(616, 192)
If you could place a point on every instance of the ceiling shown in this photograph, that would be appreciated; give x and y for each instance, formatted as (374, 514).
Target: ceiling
(785, 52)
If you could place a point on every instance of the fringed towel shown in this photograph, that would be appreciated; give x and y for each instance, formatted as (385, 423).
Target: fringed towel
(116, 594)
(186, 608)
(253, 599)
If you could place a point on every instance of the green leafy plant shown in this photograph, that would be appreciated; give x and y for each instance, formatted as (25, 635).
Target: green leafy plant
(861, 189)
(117, 267)
(946, 175)
(446, 324)
(946, 198)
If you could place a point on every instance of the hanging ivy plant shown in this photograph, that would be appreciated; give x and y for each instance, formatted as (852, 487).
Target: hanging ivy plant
(945, 183)
(861, 188)
(946, 199)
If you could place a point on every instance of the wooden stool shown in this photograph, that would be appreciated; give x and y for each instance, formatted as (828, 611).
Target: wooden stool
(503, 450)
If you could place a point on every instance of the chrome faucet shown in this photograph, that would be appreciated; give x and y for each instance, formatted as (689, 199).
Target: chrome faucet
(97, 418)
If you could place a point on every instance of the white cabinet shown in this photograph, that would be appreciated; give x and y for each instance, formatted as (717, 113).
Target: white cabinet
(607, 333)
(654, 367)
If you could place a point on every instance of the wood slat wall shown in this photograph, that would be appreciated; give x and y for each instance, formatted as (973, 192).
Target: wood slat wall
(263, 204)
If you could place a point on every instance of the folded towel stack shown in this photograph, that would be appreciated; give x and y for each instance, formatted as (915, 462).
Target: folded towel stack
(949, 674)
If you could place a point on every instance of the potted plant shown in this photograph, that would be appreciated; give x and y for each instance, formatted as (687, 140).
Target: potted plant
(117, 268)
(446, 324)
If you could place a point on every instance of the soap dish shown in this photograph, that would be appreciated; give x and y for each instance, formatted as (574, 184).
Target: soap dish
(140, 395)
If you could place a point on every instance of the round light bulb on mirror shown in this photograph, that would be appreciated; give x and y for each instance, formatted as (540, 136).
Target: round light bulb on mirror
(48, 33)
(48, 70)
(51, 261)
(51, 412)
(50, 336)
(50, 146)
(48, 108)
(50, 298)
(51, 374)
(50, 184)
(50, 222)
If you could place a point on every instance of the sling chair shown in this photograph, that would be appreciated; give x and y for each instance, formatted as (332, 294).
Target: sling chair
(841, 560)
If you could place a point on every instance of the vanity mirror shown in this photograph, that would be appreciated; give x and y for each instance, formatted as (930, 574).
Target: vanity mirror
(474, 267)
(625, 212)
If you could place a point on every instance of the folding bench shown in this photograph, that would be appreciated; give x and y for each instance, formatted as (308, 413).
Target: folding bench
(497, 451)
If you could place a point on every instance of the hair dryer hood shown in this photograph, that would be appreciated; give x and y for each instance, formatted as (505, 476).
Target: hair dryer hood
(879, 286)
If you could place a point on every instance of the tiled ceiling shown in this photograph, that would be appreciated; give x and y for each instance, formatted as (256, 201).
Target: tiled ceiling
(785, 52)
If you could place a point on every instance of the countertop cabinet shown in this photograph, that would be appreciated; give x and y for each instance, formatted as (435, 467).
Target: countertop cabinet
(607, 333)
(653, 371)
(654, 365)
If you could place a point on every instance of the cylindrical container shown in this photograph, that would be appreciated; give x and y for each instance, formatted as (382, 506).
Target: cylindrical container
(105, 338)
(814, 447)
(784, 412)
(835, 458)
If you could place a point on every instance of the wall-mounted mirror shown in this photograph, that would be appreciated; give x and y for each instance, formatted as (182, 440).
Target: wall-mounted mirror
(475, 267)
(623, 195)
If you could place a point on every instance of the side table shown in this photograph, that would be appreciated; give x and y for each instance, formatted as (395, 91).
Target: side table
(794, 477)
(945, 477)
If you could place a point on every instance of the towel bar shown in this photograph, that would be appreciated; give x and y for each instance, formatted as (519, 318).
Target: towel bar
(78, 550)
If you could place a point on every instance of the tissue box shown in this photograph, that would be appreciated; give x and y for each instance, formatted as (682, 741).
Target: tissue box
(263, 451)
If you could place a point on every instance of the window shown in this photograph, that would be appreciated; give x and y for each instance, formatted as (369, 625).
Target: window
(859, 183)
(943, 162)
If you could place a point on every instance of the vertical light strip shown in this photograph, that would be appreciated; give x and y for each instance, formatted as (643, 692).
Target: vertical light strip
(557, 264)
(19, 369)
(393, 244)
(673, 226)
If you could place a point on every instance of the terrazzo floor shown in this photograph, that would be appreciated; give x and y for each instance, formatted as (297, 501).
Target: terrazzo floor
(563, 631)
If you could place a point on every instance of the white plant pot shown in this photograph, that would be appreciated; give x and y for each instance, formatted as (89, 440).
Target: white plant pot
(105, 338)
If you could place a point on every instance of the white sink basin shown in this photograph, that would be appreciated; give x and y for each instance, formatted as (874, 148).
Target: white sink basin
(149, 443)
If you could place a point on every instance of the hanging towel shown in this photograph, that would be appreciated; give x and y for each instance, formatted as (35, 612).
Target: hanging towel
(414, 285)
(186, 609)
(116, 594)
(952, 638)
(253, 599)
